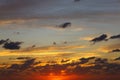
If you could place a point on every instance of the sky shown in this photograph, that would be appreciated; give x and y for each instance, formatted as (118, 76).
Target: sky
(56, 31)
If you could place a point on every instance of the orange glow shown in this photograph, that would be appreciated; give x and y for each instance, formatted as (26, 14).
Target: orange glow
(56, 77)
(53, 76)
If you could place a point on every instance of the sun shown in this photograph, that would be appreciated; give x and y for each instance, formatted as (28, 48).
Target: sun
(52, 76)
(56, 78)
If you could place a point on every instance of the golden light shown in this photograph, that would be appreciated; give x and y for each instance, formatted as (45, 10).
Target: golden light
(53, 76)
(56, 78)
(63, 72)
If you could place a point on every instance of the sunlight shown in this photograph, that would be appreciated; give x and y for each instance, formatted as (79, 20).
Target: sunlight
(53, 76)
(56, 77)
(61, 76)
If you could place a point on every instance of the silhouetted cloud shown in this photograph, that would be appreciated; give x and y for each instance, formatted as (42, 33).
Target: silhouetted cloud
(65, 42)
(100, 61)
(65, 25)
(15, 66)
(102, 37)
(101, 67)
(33, 46)
(64, 61)
(12, 45)
(20, 58)
(85, 60)
(117, 58)
(115, 37)
(3, 41)
(27, 64)
(115, 50)
(54, 43)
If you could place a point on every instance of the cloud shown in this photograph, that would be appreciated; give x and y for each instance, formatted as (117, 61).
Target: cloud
(65, 25)
(100, 68)
(115, 50)
(102, 37)
(100, 61)
(85, 60)
(64, 61)
(117, 58)
(52, 48)
(8, 44)
(3, 41)
(20, 58)
(12, 45)
(86, 38)
(27, 64)
(15, 66)
(16, 9)
(109, 48)
(115, 37)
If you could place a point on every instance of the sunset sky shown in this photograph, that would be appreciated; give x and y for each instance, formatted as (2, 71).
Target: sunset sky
(33, 29)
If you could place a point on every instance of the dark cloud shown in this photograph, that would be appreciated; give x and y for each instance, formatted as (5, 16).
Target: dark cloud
(65, 25)
(33, 46)
(117, 58)
(54, 43)
(115, 50)
(15, 66)
(102, 37)
(12, 45)
(27, 64)
(3, 41)
(85, 60)
(64, 61)
(20, 58)
(100, 61)
(101, 67)
(115, 37)
(65, 42)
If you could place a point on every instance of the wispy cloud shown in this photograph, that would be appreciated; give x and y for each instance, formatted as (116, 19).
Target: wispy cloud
(109, 48)
(52, 48)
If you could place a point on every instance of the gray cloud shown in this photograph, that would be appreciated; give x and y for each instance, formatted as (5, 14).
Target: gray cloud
(21, 58)
(115, 37)
(27, 64)
(3, 41)
(16, 9)
(65, 25)
(64, 61)
(8, 44)
(117, 58)
(102, 37)
(12, 45)
(115, 50)
(101, 67)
